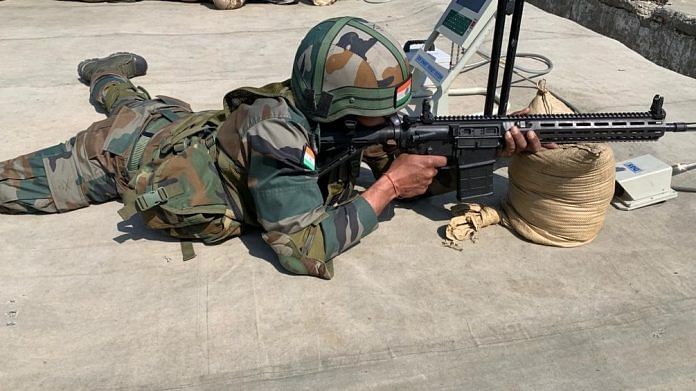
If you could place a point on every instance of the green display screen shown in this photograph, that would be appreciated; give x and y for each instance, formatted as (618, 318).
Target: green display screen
(457, 22)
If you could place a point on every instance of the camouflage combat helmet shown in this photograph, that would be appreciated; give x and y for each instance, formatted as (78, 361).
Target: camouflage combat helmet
(349, 66)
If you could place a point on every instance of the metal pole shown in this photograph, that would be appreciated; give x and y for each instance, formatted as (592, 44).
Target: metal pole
(495, 56)
(510, 56)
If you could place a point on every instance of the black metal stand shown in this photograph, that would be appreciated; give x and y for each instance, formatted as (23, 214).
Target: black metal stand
(499, 30)
(501, 15)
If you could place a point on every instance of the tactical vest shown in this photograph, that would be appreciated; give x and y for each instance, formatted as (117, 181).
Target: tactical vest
(182, 179)
(174, 183)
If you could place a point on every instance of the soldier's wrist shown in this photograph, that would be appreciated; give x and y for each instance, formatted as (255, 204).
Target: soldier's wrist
(395, 188)
(380, 194)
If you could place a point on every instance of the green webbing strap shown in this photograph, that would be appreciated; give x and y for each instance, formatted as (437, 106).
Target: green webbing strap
(187, 251)
(140, 145)
(177, 103)
(138, 150)
(169, 115)
(196, 123)
(155, 197)
(128, 210)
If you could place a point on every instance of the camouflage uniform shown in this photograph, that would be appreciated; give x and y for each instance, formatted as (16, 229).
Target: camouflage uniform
(307, 221)
(273, 185)
(86, 168)
(207, 175)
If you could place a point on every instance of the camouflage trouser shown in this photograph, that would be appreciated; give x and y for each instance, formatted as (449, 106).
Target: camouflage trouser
(89, 167)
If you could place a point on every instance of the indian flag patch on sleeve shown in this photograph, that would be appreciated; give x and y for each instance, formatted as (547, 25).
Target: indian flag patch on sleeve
(308, 159)
(403, 93)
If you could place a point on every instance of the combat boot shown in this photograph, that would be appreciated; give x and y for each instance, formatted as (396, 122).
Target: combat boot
(121, 63)
(228, 4)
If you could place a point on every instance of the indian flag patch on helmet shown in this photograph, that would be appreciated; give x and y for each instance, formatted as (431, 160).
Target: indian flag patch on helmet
(308, 159)
(403, 93)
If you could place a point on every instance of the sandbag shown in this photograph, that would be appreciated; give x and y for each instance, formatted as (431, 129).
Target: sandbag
(556, 197)
(547, 103)
(559, 197)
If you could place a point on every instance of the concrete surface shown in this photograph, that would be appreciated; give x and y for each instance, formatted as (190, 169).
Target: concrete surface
(662, 31)
(88, 302)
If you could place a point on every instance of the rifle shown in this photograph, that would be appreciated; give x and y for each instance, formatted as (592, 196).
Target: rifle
(471, 142)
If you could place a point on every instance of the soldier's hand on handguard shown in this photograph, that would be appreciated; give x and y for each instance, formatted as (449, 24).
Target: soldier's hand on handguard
(408, 176)
(518, 142)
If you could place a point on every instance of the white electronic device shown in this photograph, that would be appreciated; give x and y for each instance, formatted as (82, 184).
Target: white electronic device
(465, 23)
(642, 181)
(461, 19)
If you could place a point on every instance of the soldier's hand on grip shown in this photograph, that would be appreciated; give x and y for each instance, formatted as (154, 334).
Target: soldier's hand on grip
(412, 174)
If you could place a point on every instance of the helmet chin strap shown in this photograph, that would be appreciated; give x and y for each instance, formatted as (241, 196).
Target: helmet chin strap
(324, 105)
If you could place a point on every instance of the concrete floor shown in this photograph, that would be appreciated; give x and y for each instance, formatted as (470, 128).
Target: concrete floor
(88, 302)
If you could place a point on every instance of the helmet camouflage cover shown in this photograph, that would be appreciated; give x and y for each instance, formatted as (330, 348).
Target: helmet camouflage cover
(349, 66)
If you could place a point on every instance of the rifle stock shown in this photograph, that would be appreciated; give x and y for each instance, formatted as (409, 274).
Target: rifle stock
(471, 143)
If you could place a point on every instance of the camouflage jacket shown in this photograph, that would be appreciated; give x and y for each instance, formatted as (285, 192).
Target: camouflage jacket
(268, 157)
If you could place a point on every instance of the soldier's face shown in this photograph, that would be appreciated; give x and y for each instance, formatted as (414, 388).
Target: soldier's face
(371, 121)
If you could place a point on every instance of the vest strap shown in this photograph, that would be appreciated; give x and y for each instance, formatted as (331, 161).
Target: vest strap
(187, 251)
(153, 198)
